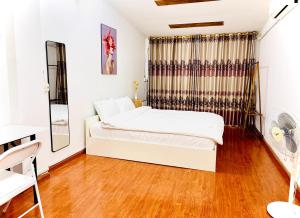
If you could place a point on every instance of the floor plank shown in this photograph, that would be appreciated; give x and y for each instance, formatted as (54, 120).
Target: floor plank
(246, 180)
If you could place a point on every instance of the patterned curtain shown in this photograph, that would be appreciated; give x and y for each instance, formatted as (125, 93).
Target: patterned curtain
(61, 77)
(202, 73)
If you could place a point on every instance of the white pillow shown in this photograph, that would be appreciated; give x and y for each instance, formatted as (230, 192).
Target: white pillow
(125, 104)
(106, 108)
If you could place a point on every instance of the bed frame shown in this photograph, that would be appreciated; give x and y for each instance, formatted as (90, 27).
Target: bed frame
(149, 153)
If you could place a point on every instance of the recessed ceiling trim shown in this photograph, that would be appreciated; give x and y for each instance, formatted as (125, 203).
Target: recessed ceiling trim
(191, 25)
(177, 2)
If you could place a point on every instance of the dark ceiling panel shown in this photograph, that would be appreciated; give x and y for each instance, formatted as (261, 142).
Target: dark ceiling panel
(190, 25)
(176, 2)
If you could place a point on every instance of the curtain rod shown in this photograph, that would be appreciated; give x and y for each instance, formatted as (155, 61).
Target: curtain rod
(203, 35)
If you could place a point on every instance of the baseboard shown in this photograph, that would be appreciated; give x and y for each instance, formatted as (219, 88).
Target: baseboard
(258, 133)
(279, 165)
(43, 176)
(283, 170)
(60, 163)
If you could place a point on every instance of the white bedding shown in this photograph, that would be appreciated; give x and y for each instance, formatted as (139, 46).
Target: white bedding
(59, 114)
(97, 131)
(188, 123)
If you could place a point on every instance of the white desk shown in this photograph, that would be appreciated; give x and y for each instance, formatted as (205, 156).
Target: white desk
(12, 133)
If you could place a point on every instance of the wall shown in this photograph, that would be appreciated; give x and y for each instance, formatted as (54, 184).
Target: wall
(4, 89)
(77, 24)
(7, 64)
(280, 65)
(32, 102)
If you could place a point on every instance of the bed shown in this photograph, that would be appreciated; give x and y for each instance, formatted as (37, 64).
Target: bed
(174, 138)
(59, 125)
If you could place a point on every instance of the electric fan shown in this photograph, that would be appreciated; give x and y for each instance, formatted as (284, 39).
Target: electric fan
(286, 140)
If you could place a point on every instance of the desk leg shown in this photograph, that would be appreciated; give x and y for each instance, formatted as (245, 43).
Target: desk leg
(5, 147)
(32, 137)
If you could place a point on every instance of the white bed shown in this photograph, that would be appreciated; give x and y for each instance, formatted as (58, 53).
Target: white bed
(59, 125)
(97, 131)
(173, 138)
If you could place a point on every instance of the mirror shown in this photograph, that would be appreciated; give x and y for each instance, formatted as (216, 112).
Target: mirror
(58, 95)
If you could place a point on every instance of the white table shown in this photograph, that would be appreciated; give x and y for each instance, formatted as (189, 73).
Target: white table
(11, 133)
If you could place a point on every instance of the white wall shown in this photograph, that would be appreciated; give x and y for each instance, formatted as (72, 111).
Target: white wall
(7, 64)
(76, 23)
(32, 102)
(280, 72)
(4, 88)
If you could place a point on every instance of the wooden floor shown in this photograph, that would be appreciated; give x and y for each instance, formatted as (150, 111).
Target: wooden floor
(246, 180)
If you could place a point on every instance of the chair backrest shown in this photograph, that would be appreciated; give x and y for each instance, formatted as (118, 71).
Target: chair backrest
(18, 154)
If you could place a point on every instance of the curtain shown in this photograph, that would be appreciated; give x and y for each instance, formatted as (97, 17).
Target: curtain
(61, 77)
(202, 73)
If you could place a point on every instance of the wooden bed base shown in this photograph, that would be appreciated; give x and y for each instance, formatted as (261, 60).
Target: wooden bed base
(184, 157)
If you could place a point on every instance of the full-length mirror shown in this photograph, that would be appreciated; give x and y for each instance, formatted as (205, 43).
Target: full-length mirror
(58, 95)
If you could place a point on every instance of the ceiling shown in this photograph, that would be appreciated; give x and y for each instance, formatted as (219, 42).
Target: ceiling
(238, 15)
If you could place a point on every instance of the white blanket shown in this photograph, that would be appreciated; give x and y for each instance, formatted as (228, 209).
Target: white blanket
(199, 124)
(59, 114)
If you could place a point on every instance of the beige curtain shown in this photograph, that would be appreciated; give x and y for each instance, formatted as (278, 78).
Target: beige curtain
(202, 73)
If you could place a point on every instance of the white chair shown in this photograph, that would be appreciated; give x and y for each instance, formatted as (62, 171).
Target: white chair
(11, 183)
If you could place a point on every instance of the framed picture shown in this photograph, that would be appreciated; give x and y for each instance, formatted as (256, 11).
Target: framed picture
(108, 50)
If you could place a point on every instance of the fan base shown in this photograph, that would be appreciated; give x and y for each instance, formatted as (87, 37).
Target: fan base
(281, 209)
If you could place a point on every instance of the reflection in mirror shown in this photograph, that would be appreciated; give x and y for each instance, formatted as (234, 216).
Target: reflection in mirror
(58, 95)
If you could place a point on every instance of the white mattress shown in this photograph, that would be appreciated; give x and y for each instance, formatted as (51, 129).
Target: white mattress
(97, 131)
(59, 114)
(59, 117)
(188, 123)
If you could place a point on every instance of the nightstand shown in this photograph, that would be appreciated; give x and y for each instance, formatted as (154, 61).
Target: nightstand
(138, 102)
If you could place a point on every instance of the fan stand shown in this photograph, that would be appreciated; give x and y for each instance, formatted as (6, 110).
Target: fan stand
(280, 209)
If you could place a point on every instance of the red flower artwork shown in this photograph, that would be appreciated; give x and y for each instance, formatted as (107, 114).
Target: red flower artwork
(109, 42)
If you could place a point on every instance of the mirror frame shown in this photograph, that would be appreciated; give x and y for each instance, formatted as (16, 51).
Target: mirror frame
(48, 80)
